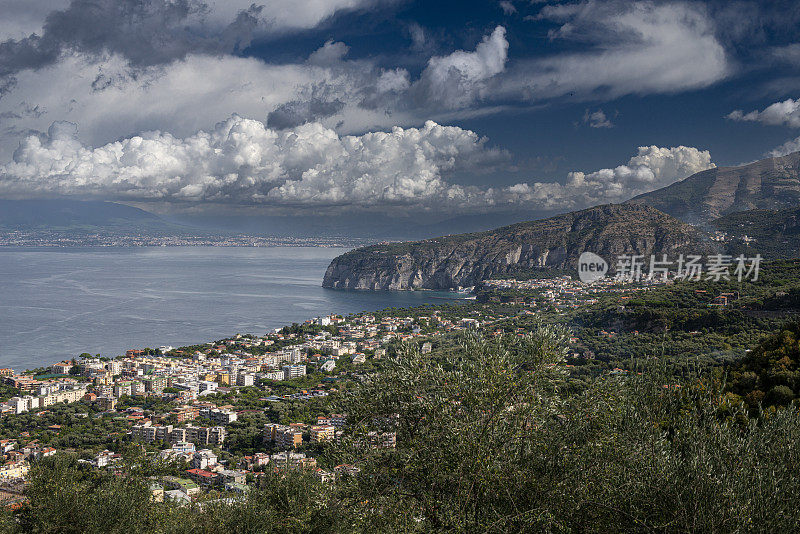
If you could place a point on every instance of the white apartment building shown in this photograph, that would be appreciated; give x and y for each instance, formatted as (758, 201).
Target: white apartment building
(245, 379)
(274, 375)
(293, 371)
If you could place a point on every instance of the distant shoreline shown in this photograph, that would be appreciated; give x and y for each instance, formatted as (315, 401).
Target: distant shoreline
(51, 240)
(61, 301)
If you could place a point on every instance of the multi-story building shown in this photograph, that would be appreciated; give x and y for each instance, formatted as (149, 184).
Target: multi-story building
(114, 367)
(245, 379)
(274, 375)
(178, 436)
(214, 435)
(338, 420)
(295, 355)
(219, 416)
(123, 388)
(137, 387)
(186, 413)
(106, 403)
(231, 477)
(259, 459)
(55, 393)
(203, 459)
(23, 404)
(13, 470)
(292, 460)
(223, 379)
(183, 447)
(322, 433)
(154, 384)
(149, 432)
(293, 371)
(283, 436)
(61, 368)
(206, 387)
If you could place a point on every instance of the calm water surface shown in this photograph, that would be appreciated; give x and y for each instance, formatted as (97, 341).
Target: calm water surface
(58, 303)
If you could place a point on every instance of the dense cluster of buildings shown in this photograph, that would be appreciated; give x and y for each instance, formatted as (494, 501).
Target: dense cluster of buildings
(16, 460)
(40, 394)
(194, 427)
(560, 292)
(198, 435)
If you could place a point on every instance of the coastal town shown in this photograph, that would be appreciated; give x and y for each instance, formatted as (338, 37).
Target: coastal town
(64, 239)
(192, 428)
(223, 413)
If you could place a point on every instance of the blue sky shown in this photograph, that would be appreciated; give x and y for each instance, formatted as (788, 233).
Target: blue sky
(387, 105)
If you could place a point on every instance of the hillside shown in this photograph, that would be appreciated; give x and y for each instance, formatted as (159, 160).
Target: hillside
(466, 259)
(73, 215)
(770, 374)
(771, 233)
(772, 184)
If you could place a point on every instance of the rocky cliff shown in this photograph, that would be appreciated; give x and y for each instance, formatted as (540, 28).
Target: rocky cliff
(466, 259)
(771, 184)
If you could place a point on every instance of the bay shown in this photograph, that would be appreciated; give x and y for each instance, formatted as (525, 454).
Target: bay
(56, 303)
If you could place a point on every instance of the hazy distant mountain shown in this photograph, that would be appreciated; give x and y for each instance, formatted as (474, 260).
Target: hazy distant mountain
(466, 259)
(771, 184)
(74, 215)
(96, 216)
(376, 226)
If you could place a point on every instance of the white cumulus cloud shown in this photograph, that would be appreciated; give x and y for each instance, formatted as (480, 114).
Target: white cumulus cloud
(242, 161)
(458, 78)
(790, 146)
(196, 92)
(186, 96)
(650, 169)
(778, 114)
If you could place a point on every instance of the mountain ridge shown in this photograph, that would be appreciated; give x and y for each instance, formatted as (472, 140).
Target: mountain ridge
(556, 242)
(771, 184)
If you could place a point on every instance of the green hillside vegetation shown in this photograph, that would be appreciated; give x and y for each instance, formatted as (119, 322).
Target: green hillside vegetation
(678, 323)
(773, 233)
(487, 441)
(769, 375)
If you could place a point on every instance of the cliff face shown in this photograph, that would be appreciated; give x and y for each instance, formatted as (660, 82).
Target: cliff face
(772, 184)
(464, 260)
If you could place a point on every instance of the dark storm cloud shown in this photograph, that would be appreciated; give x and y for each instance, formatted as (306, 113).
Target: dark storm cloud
(146, 32)
(29, 53)
(300, 112)
(319, 103)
